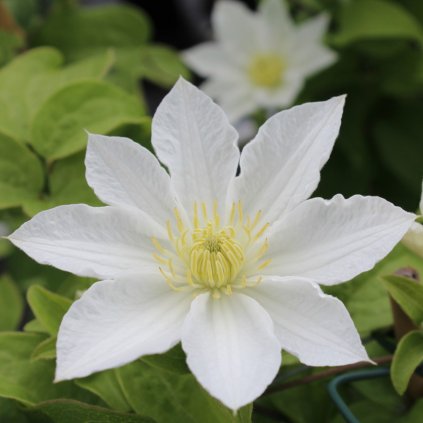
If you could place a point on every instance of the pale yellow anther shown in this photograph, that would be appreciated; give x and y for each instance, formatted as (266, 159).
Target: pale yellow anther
(261, 232)
(209, 256)
(204, 210)
(169, 231)
(157, 245)
(266, 70)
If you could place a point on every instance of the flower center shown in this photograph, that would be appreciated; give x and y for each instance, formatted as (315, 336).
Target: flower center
(216, 256)
(266, 70)
(208, 256)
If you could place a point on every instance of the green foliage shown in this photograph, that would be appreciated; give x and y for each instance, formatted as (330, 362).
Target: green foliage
(365, 296)
(171, 398)
(21, 173)
(48, 307)
(45, 350)
(107, 386)
(96, 106)
(173, 361)
(376, 19)
(11, 304)
(408, 356)
(408, 294)
(68, 411)
(29, 382)
(15, 80)
(97, 28)
(67, 185)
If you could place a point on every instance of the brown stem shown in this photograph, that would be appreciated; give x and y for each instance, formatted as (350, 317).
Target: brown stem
(325, 374)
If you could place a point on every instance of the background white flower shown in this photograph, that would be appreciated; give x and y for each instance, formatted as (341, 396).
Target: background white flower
(258, 60)
(226, 264)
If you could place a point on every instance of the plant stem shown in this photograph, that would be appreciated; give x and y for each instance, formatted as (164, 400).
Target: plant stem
(324, 374)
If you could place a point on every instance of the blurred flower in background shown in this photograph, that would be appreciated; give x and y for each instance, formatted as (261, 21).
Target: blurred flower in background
(259, 60)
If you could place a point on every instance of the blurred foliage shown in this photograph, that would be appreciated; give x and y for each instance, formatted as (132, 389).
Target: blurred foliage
(65, 69)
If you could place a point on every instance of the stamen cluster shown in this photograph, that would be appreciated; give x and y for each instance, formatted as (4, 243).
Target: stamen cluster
(210, 256)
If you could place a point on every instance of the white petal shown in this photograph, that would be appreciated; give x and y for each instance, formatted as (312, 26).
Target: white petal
(277, 23)
(333, 241)
(207, 59)
(281, 166)
(123, 173)
(234, 95)
(282, 96)
(313, 326)
(236, 29)
(98, 242)
(413, 239)
(308, 53)
(115, 322)
(231, 347)
(193, 138)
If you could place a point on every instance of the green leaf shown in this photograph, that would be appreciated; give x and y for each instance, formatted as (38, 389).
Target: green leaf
(99, 107)
(48, 307)
(11, 304)
(365, 297)
(159, 64)
(21, 173)
(171, 398)
(68, 411)
(375, 19)
(45, 350)
(46, 83)
(15, 78)
(30, 382)
(35, 326)
(82, 32)
(106, 385)
(10, 411)
(173, 360)
(9, 44)
(415, 414)
(408, 356)
(408, 294)
(67, 185)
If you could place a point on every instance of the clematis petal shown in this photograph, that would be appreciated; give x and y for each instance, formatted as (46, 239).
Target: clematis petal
(193, 138)
(236, 29)
(333, 241)
(88, 241)
(281, 96)
(115, 322)
(277, 24)
(307, 52)
(234, 95)
(281, 167)
(311, 325)
(122, 173)
(231, 347)
(208, 59)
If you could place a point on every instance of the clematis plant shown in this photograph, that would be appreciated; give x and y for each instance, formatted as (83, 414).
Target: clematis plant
(258, 60)
(228, 265)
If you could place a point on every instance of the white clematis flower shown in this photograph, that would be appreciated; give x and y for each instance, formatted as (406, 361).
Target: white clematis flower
(259, 60)
(228, 265)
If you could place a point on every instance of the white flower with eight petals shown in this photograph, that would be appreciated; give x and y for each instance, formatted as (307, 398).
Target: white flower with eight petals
(259, 60)
(228, 265)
